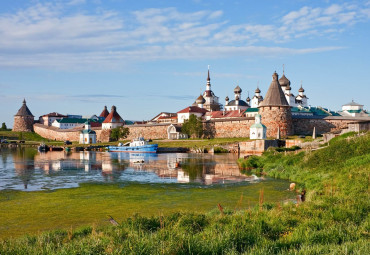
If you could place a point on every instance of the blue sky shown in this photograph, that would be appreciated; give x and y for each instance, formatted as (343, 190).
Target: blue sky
(145, 57)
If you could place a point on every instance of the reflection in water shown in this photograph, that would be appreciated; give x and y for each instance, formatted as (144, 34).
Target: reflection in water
(25, 168)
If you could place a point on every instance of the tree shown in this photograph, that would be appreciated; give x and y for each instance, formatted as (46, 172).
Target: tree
(3, 126)
(193, 127)
(119, 133)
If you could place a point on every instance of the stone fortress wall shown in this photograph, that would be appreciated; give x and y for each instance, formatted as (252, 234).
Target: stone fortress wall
(212, 129)
(54, 133)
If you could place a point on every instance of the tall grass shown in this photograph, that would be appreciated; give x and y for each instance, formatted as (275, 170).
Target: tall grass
(333, 220)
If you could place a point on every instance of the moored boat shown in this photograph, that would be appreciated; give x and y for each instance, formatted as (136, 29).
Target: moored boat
(137, 145)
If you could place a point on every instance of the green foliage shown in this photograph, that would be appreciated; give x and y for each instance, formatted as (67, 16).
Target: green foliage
(27, 136)
(119, 133)
(193, 127)
(253, 162)
(219, 150)
(3, 127)
(293, 148)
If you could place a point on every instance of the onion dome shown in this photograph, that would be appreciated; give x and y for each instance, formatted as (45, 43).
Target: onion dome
(237, 97)
(301, 89)
(226, 98)
(200, 100)
(284, 81)
(248, 99)
(257, 90)
(237, 90)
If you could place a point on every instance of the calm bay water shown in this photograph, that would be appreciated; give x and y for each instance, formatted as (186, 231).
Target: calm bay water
(27, 169)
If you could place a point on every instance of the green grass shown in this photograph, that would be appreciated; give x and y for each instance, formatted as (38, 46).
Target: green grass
(31, 212)
(26, 136)
(333, 220)
(193, 143)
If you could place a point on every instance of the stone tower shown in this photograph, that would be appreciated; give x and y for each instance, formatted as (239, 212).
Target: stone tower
(23, 120)
(275, 110)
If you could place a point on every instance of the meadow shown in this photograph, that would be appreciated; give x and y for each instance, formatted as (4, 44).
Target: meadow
(334, 219)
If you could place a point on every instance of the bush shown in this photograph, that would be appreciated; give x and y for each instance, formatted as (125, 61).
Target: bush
(193, 127)
(119, 133)
(3, 127)
(220, 150)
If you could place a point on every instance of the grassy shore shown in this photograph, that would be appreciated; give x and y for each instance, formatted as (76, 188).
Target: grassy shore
(333, 220)
(199, 143)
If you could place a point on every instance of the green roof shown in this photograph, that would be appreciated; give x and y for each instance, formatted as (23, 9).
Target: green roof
(354, 111)
(297, 109)
(88, 131)
(252, 110)
(258, 125)
(79, 121)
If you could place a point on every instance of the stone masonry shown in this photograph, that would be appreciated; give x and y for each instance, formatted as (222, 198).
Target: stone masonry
(275, 117)
(23, 123)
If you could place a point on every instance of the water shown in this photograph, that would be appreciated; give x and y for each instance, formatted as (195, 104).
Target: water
(27, 169)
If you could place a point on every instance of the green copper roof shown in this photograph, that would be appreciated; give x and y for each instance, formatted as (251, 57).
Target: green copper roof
(78, 121)
(258, 125)
(354, 111)
(252, 110)
(88, 131)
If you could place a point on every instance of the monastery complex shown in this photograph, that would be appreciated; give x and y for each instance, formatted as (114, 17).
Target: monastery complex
(279, 113)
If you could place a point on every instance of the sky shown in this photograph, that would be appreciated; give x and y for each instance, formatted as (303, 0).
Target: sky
(152, 56)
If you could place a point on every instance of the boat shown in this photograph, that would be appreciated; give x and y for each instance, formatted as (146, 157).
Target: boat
(137, 145)
(43, 148)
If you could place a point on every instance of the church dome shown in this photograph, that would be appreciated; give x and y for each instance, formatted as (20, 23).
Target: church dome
(301, 89)
(226, 98)
(284, 81)
(237, 90)
(257, 90)
(248, 99)
(200, 100)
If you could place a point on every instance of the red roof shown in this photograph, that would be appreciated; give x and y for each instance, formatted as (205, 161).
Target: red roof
(104, 113)
(167, 117)
(95, 124)
(226, 114)
(113, 117)
(191, 109)
(54, 114)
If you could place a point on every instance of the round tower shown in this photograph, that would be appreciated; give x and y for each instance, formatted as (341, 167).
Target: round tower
(23, 120)
(275, 110)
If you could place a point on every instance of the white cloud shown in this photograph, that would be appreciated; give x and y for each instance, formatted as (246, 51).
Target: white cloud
(333, 9)
(47, 35)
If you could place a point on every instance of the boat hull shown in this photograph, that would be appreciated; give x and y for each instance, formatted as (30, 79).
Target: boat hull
(151, 148)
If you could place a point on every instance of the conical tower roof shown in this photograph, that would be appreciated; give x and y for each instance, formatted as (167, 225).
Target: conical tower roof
(275, 95)
(113, 116)
(24, 111)
(104, 113)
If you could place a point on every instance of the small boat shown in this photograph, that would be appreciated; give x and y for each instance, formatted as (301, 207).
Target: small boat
(137, 145)
(43, 148)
